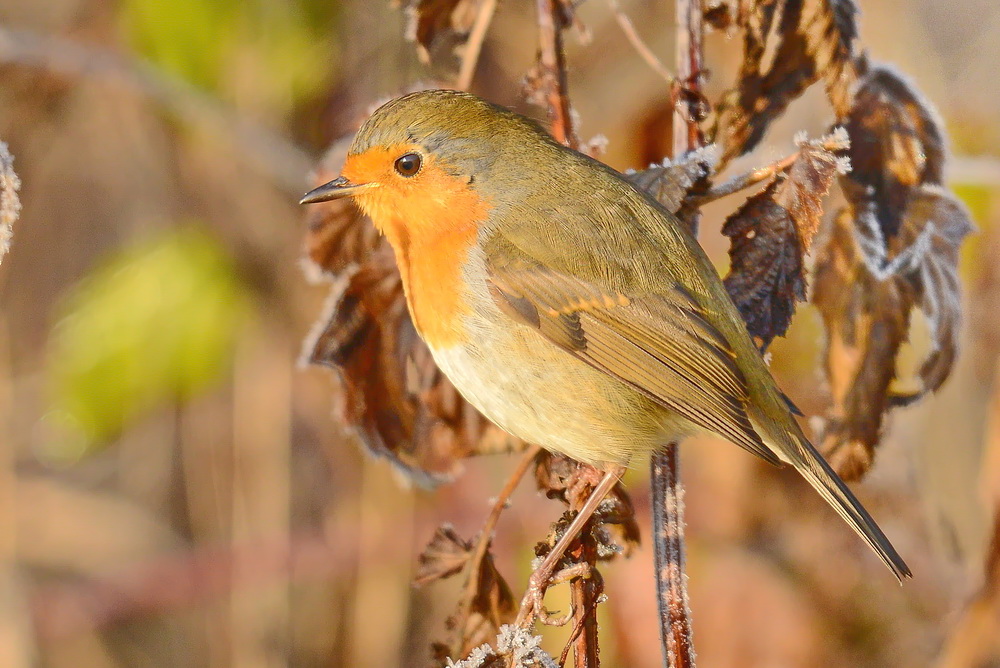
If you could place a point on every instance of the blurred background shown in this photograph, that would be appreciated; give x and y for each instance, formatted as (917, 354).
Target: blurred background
(174, 489)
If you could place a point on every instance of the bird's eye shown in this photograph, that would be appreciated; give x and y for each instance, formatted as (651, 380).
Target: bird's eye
(408, 165)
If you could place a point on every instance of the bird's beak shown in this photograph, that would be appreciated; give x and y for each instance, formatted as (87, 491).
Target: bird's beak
(335, 189)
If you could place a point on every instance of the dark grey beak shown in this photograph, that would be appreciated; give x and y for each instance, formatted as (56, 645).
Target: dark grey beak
(334, 190)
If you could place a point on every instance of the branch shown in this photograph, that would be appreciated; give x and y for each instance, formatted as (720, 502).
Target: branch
(668, 508)
(471, 587)
(552, 84)
(585, 592)
(625, 23)
(474, 45)
(668, 554)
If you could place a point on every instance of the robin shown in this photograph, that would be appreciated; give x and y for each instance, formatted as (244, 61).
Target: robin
(567, 306)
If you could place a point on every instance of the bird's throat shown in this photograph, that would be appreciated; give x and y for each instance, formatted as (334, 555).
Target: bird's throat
(431, 238)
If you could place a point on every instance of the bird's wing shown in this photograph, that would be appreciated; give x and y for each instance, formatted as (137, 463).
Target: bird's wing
(658, 343)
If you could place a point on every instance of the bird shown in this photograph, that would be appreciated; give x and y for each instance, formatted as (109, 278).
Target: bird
(566, 305)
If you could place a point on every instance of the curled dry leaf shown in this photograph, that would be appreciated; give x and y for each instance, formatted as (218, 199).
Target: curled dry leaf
(771, 234)
(438, 24)
(401, 406)
(865, 288)
(491, 607)
(445, 555)
(787, 46)
(896, 144)
(895, 247)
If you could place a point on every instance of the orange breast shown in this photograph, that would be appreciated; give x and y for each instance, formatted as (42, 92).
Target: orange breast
(431, 221)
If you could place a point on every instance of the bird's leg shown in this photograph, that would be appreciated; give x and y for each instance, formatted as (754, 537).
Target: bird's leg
(531, 604)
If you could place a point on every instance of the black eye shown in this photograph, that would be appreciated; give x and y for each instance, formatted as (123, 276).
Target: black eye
(408, 165)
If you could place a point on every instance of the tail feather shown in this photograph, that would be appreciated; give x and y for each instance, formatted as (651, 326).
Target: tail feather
(814, 468)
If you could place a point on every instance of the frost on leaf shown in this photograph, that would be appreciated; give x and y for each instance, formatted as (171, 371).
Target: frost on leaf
(515, 648)
(771, 234)
(787, 46)
(391, 393)
(895, 247)
(671, 181)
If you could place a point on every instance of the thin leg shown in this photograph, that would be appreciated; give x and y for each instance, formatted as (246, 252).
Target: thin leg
(531, 604)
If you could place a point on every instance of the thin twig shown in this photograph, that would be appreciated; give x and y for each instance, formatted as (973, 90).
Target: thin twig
(474, 44)
(552, 62)
(625, 23)
(742, 181)
(483, 546)
(271, 153)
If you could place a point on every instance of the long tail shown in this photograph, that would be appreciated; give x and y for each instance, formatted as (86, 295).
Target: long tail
(811, 465)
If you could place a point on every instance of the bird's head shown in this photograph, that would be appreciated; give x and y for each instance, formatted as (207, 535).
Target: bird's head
(434, 160)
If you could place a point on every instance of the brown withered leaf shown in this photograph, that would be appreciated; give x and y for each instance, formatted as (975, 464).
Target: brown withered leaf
(787, 46)
(896, 144)
(830, 28)
(492, 604)
(895, 248)
(866, 287)
(391, 392)
(434, 25)
(924, 253)
(445, 555)
(866, 321)
(771, 234)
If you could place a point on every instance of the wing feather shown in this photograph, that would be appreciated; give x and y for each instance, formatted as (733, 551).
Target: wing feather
(660, 344)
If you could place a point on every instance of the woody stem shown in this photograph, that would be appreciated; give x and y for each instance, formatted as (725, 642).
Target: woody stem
(668, 508)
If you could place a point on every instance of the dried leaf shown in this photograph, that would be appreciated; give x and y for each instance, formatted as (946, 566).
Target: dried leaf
(671, 181)
(896, 247)
(831, 34)
(446, 555)
(925, 254)
(787, 46)
(431, 23)
(491, 606)
(772, 232)
(391, 392)
(866, 322)
(896, 144)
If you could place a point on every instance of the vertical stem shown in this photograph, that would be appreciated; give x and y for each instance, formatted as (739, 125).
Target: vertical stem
(552, 62)
(668, 553)
(687, 133)
(584, 593)
(668, 494)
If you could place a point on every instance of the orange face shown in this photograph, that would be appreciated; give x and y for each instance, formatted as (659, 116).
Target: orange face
(430, 218)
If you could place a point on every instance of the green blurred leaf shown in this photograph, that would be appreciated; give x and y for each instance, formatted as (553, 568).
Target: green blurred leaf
(267, 54)
(154, 323)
